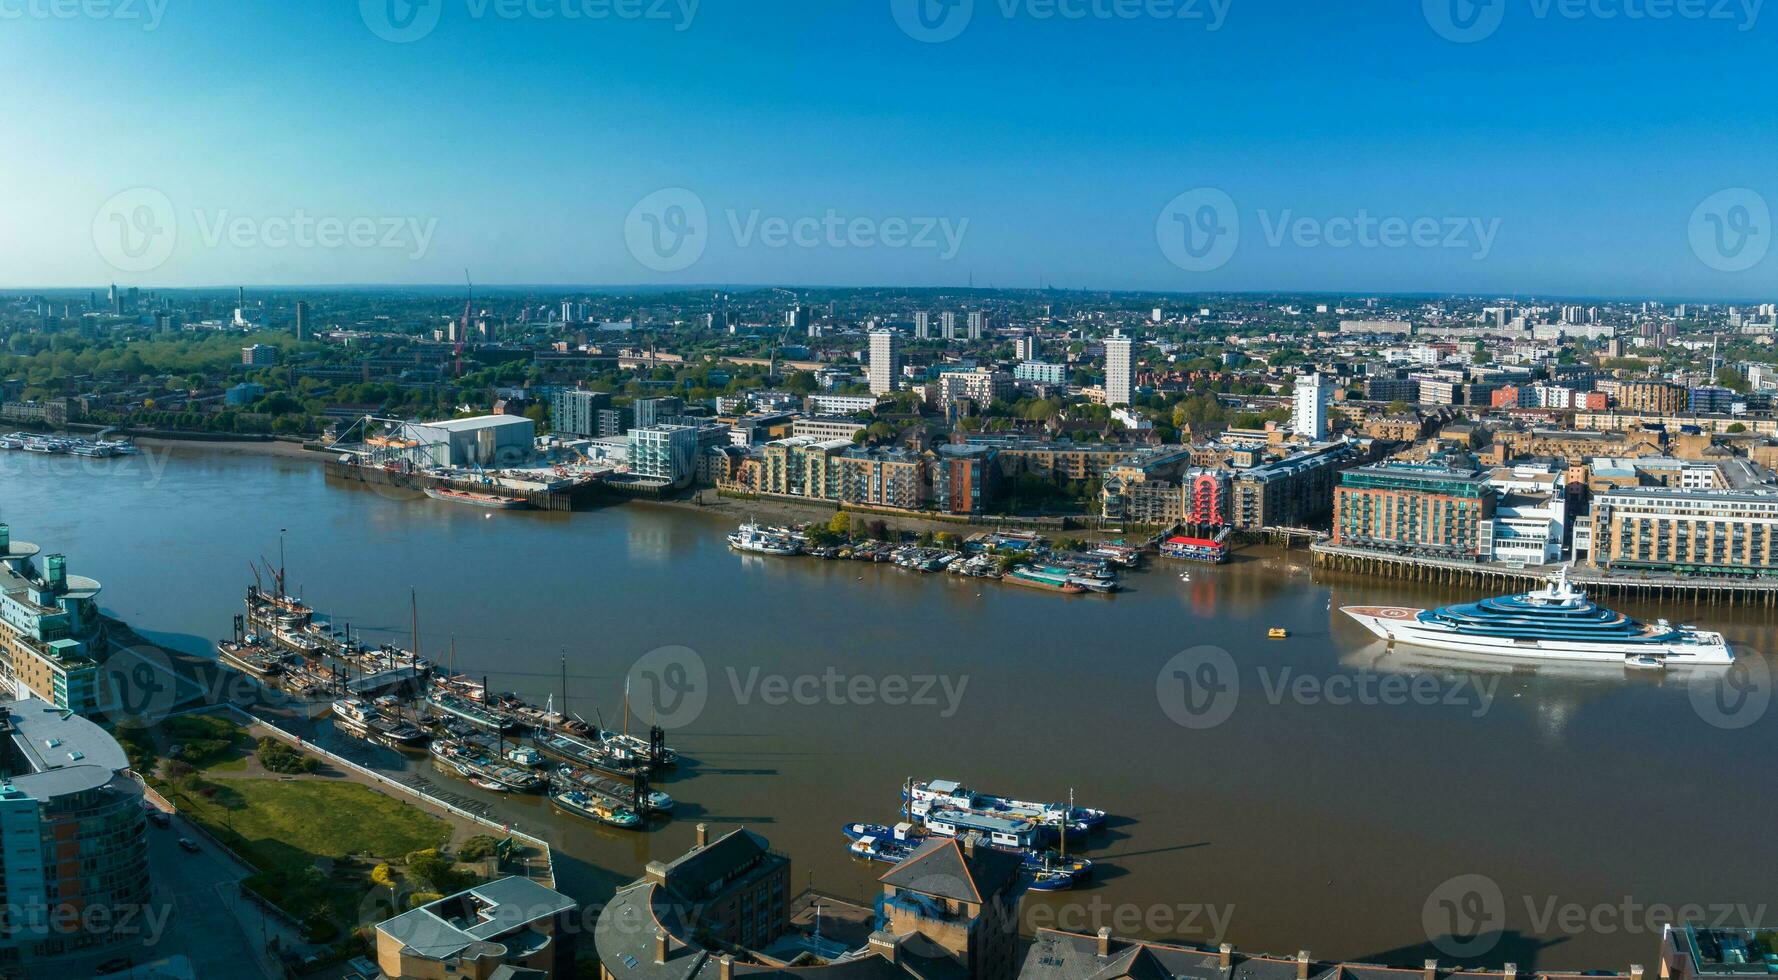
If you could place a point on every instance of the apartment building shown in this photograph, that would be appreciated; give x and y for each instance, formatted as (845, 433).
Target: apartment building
(1716, 532)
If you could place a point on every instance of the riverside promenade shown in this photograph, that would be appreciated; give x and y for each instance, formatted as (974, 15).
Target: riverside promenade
(1499, 578)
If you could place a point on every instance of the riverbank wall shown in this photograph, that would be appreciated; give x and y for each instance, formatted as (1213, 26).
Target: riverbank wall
(1501, 579)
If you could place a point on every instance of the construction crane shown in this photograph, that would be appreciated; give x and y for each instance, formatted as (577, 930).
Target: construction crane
(463, 329)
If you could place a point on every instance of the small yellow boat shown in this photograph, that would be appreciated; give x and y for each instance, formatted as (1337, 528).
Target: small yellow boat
(1278, 633)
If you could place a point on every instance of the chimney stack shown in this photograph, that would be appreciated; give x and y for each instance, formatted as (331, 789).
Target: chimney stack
(1431, 972)
(1302, 964)
(660, 946)
(1225, 955)
(1635, 971)
(728, 967)
(703, 834)
(1104, 941)
(969, 844)
(887, 945)
(1509, 972)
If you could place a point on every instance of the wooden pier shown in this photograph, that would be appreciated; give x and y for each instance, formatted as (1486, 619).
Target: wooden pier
(1494, 578)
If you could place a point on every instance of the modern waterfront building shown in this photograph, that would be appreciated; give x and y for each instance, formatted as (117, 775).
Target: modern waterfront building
(1310, 417)
(1291, 492)
(73, 836)
(1415, 508)
(495, 930)
(1119, 350)
(962, 477)
(51, 635)
(1728, 533)
(882, 477)
(664, 452)
(885, 361)
(575, 412)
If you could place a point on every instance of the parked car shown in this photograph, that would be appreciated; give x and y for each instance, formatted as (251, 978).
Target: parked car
(159, 818)
(189, 844)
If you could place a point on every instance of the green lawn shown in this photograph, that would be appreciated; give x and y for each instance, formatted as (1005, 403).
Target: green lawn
(279, 821)
(284, 826)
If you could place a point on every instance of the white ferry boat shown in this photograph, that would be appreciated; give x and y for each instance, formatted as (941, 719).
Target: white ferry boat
(1556, 622)
(750, 537)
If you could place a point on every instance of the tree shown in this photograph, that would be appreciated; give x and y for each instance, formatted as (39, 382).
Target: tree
(840, 523)
(1398, 407)
(1735, 428)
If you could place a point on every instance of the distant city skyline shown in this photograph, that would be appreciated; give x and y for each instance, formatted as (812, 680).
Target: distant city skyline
(1228, 148)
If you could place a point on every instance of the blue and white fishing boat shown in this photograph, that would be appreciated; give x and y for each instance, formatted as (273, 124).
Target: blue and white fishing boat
(1557, 622)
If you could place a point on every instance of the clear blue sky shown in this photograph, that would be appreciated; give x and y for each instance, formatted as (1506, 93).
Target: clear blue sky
(524, 143)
